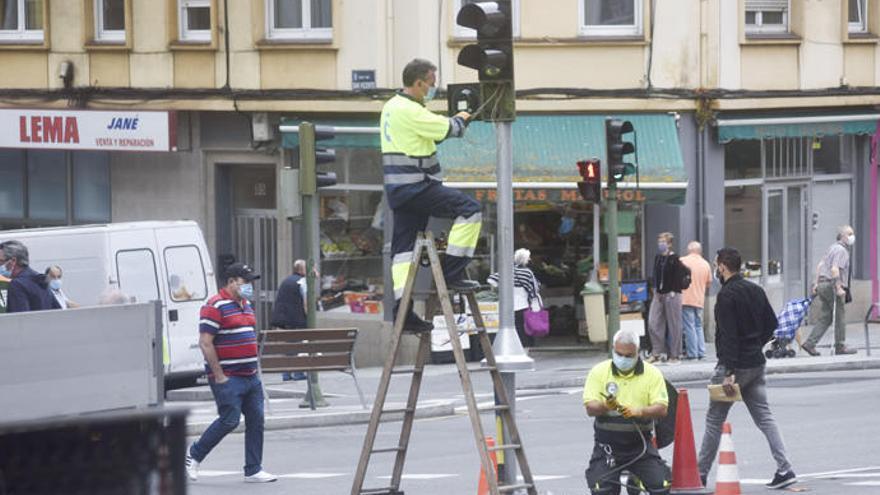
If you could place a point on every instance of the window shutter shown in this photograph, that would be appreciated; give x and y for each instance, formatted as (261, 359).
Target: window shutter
(760, 5)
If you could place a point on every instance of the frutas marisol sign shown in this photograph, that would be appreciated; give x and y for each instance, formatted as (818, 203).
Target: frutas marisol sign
(87, 130)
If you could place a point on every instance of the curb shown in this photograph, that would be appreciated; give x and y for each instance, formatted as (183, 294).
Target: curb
(679, 375)
(321, 419)
(205, 395)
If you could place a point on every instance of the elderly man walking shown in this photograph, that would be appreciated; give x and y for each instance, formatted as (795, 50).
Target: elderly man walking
(835, 276)
(692, 300)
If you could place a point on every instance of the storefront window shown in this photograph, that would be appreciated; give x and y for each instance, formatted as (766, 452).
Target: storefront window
(742, 225)
(742, 160)
(91, 187)
(47, 185)
(11, 183)
(833, 154)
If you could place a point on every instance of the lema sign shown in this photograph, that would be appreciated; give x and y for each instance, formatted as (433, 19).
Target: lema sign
(87, 130)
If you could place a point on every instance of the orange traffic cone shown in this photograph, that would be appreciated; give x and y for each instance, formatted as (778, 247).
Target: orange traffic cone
(685, 473)
(483, 487)
(727, 481)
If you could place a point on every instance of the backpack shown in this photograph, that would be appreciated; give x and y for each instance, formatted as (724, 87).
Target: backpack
(682, 276)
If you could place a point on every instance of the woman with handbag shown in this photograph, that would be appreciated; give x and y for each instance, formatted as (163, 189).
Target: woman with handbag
(530, 317)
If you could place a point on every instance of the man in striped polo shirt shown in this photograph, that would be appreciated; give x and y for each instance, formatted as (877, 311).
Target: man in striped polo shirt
(228, 340)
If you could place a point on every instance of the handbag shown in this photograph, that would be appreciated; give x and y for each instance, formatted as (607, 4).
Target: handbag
(537, 323)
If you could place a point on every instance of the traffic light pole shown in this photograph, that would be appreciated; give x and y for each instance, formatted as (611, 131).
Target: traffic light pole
(308, 183)
(509, 352)
(613, 279)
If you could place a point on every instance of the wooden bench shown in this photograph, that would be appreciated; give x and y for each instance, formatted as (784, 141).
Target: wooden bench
(310, 350)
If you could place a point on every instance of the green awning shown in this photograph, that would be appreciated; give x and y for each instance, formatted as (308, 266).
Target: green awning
(759, 127)
(546, 149)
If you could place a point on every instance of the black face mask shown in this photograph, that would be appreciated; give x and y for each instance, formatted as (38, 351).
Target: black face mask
(718, 275)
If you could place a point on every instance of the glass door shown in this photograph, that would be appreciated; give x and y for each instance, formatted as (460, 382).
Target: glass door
(785, 243)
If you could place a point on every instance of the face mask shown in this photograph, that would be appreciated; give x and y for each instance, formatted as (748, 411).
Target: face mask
(850, 240)
(5, 271)
(246, 290)
(55, 284)
(432, 92)
(623, 363)
(718, 275)
(661, 247)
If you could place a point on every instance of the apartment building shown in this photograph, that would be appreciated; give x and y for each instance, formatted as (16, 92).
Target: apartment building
(753, 118)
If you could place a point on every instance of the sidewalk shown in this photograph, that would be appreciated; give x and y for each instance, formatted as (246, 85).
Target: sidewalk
(441, 390)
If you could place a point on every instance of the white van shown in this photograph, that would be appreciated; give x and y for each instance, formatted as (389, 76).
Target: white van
(165, 261)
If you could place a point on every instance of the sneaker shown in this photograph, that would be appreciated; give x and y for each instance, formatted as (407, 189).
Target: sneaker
(192, 466)
(673, 361)
(704, 479)
(810, 349)
(462, 285)
(414, 324)
(843, 349)
(260, 477)
(782, 480)
(653, 359)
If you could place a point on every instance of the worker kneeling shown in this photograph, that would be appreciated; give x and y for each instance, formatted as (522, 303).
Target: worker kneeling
(626, 395)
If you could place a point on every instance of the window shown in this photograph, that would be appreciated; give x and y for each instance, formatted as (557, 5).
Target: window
(300, 19)
(21, 20)
(110, 20)
(186, 274)
(858, 15)
(47, 185)
(91, 186)
(463, 32)
(194, 19)
(767, 16)
(611, 17)
(136, 273)
(11, 183)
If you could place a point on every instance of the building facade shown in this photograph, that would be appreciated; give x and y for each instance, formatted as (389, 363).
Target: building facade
(755, 120)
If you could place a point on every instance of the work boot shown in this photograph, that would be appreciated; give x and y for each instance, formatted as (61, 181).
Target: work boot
(810, 349)
(843, 349)
(413, 324)
(462, 285)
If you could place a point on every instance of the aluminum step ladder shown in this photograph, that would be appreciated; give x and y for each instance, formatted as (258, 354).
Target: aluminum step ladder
(424, 246)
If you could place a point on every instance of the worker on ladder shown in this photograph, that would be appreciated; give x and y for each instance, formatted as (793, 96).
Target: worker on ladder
(413, 187)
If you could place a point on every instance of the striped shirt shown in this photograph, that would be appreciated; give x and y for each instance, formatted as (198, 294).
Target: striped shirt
(523, 279)
(235, 338)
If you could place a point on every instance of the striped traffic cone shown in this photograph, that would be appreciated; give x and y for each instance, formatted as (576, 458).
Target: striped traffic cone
(483, 486)
(727, 479)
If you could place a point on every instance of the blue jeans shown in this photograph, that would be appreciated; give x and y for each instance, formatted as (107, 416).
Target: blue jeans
(240, 395)
(694, 341)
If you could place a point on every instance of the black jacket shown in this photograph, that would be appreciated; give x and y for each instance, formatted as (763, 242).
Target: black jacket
(665, 269)
(289, 310)
(29, 291)
(744, 322)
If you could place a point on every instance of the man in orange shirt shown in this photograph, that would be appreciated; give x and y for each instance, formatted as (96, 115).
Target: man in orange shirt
(692, 301)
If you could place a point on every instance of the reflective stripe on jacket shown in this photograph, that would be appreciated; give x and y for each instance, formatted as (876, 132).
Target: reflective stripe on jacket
(410, 133)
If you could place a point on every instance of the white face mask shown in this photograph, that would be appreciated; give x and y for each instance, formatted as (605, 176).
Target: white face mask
(851, 239)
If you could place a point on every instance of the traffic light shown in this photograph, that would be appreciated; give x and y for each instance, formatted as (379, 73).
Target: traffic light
(591, 187)
(310, 157)
(463, 97)
(492, 55)
(616, 147)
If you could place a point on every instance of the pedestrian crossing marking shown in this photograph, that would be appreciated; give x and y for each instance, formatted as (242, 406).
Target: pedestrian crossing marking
(421, 476)
(840, 471)
(312, 476)
(547, 477)
(863, 483)
(210, 473)
(849, 475)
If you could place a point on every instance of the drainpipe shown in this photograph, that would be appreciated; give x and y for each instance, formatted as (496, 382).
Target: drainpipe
(875, 284)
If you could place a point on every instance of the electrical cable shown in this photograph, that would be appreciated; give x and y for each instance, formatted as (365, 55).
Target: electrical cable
(618, 470)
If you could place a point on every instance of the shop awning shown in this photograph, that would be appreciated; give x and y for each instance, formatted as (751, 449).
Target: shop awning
(755, 127)
(546, 149)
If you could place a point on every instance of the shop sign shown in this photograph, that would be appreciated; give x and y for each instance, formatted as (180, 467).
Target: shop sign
(87, 130)
(565, 195)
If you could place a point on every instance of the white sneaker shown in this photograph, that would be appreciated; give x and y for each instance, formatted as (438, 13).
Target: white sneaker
(260, 477)
(192, 466)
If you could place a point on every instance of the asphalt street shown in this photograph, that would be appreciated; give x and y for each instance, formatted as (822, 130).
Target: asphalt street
(828, 421)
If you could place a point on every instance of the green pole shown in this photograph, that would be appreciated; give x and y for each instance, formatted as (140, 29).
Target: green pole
(613, 280)
(308, 185)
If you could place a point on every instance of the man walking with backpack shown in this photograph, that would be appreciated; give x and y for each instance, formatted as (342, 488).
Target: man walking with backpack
(664, 318)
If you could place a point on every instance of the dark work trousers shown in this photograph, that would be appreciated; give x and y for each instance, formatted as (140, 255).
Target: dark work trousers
(603, 475)
(412, 217)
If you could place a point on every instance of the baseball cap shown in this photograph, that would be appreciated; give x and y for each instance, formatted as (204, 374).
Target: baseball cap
(242, 270)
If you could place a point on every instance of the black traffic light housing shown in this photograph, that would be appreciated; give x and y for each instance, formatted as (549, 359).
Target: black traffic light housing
(591, 185)
(492, 55)
(311, 157)
(615, 146)
(463, 98)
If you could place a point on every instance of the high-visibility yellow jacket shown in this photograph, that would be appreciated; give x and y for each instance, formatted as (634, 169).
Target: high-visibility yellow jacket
(410, 133)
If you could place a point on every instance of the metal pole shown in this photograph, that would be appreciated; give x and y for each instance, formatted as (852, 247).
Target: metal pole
(307, 164)
(508, 350)
(596, 241)
(613, 280)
